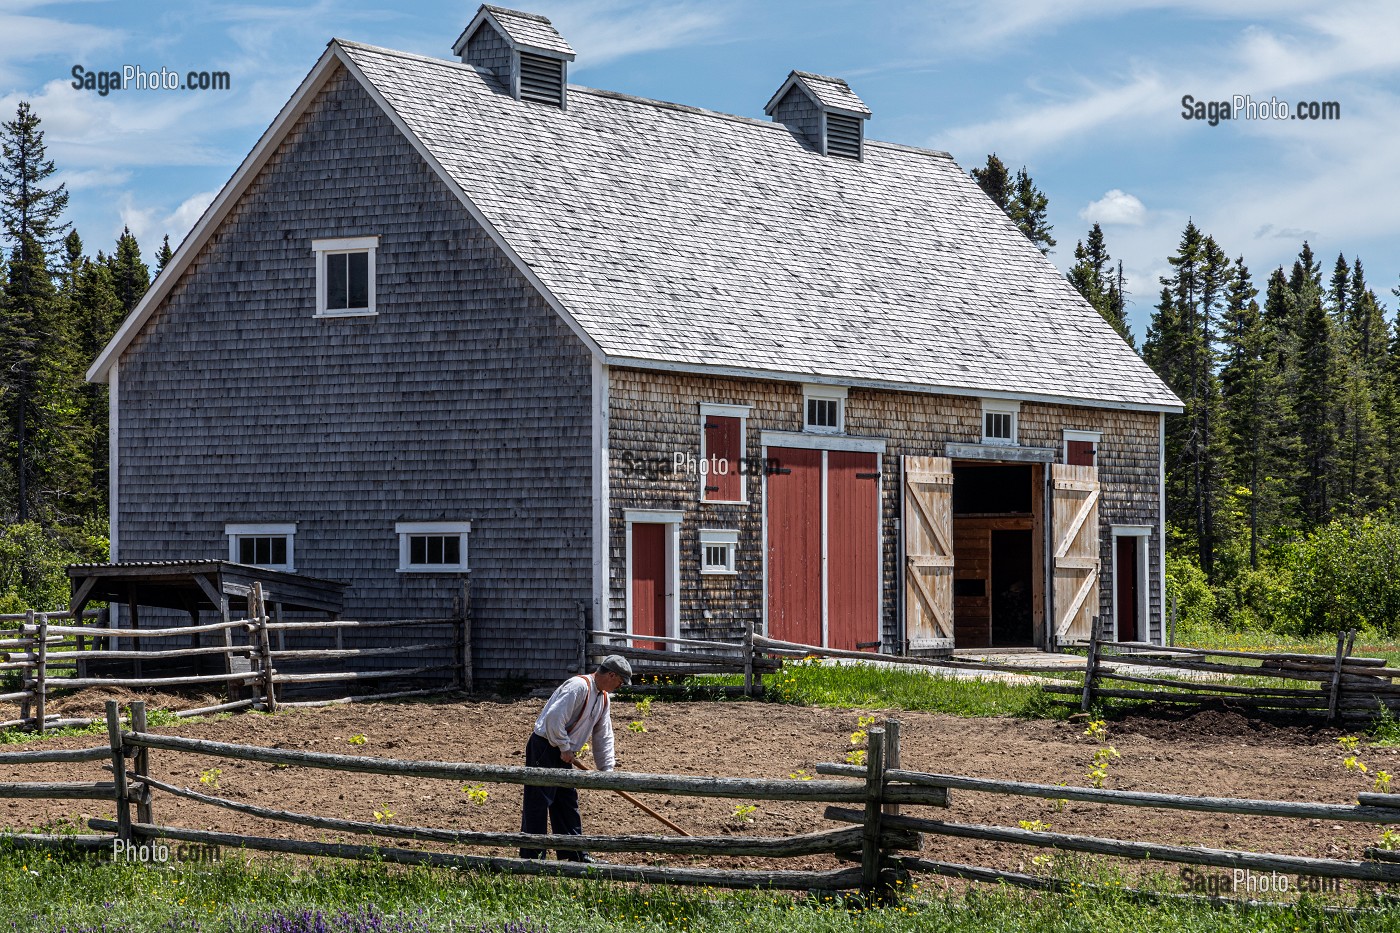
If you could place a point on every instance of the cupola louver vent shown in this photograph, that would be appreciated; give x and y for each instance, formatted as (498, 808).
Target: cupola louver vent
(823, 111)
(842, 136)
(541, 79)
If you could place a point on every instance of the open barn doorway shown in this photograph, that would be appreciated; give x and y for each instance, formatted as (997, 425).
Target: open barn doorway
(998, 555)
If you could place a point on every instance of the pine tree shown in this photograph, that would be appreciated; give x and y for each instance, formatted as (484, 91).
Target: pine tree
(1029, 208)
(995, 180)
(129, 273)
(1353, 311)
(1317, 397)
(1091, 277)
(163, 256)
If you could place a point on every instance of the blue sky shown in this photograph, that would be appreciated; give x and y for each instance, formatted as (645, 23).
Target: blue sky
(1085, 93)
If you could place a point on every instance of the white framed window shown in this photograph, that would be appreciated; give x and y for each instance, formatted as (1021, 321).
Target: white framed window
(345, 276)
(433, 547)
(999, 421)
(722, 445)
(824, 409)
(270, 546)
(718, 547)
(1081, 448)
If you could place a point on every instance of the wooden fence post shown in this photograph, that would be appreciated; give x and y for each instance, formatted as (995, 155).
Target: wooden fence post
(748, 659)
(25, 706)
(142, 764)
(114, 739)
(465, 658)
(1344, 642)
(1091, 672)
(261, 620)
(870, 854)
(41, 687)
(1171, 624)
(892, 728)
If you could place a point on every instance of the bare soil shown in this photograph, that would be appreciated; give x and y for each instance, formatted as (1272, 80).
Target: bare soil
(1216, 753)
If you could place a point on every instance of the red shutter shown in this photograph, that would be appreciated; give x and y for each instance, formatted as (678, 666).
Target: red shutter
(1079, 453)
(723, 448)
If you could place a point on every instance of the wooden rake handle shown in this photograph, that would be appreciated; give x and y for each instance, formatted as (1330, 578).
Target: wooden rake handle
(637, 803)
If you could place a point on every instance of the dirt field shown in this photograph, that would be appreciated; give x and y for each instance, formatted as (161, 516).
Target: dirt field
(1213, 753)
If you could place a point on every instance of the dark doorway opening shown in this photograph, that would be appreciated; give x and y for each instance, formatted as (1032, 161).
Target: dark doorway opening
(1126, 561)
(1013, 605)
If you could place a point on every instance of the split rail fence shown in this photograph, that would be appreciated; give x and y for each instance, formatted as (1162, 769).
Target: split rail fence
(52, 657)
(882, 843)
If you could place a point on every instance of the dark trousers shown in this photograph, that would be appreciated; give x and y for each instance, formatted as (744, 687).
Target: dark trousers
(543, 806)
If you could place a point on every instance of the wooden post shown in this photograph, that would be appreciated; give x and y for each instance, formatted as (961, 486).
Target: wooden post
(1091, 672)
(142, 764)
(82, 646)
(870, 854)
(1344, 643)
(29, 685)
(892, 756)
(1171, 624)
(466, 625)
(114, 739)
(41, 688)
(264, 646)
(135, 642)
(748, 659)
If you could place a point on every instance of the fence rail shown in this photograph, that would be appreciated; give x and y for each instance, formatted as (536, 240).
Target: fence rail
(887, 843)
(51, 657)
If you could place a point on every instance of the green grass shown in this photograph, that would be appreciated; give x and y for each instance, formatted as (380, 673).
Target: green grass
(47, 894)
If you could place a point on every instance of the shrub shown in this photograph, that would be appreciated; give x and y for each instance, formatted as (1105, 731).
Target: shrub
(1345, 574)
(32, 561)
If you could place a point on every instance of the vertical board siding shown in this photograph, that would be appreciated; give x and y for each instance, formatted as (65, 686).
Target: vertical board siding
(795, 546)
(648, 581)
(654, 416)
(853, 549)
(465, 398)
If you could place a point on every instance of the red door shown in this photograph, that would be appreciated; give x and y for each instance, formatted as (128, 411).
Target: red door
(795, 545)
(648, 582)
(853, 550)
(1126, 586)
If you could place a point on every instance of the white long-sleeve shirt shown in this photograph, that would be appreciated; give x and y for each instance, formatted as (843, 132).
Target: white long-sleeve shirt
(577, 713)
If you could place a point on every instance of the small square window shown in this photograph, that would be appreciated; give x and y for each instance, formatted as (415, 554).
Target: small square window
(261, 545)
(1082, 447)
(432, 547)
(718, 549)
(345, 276)
(999, 422)
(824, 409)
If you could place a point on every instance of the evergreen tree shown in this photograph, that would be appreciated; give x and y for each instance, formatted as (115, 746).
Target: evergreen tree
(1028, 208)
(1353, 310)
(995, 180)
(1091, 277)
(130, 276)
(1316, 396)
(163, 255)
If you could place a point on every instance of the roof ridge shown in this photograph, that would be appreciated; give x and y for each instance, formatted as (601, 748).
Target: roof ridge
(537, 17)
(638, 99)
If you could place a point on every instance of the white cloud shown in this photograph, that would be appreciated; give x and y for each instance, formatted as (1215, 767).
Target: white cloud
(150, 224)
(605, 30)
(1115, 207)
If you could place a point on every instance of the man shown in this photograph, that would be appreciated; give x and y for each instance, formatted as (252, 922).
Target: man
(576, 713)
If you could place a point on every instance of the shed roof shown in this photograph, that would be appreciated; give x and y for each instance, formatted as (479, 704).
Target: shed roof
(198, 584)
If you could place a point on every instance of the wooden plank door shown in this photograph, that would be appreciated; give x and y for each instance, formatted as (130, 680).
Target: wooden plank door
(794, 510)
(1074, 525)
(853, 550)
(648, 584)
(1125, 586)
(928, 553)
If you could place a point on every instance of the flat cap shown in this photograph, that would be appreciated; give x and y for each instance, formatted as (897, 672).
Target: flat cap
(619, 666)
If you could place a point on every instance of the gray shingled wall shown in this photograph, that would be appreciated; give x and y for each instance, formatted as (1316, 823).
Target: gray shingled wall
(800, 114)
(488, 49)
(465, 398)
(653, 415)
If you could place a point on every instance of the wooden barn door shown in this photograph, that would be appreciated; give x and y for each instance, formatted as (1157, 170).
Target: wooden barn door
(1075, 534)
(853, 550)
(794, 504)
(928, 553)
(648, 583)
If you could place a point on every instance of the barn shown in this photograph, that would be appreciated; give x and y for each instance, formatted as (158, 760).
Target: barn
(632, 365)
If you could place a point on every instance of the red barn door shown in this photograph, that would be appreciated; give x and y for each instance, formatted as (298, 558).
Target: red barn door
(648, 585)
(853, 550)
(795, 545)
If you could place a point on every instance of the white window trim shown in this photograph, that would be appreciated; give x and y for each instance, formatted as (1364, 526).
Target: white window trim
(720, 537)
(355, 244)
(1093, 437)
(236, 530)
(837, 394)
(726, 411)
(405, 529)
(1144, 535)
(999, 406)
